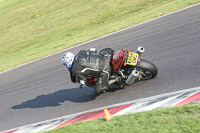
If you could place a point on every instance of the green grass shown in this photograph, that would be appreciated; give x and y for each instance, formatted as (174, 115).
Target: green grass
(30, 29)
(182, 119)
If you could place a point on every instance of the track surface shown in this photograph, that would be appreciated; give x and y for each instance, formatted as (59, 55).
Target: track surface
(42, 90)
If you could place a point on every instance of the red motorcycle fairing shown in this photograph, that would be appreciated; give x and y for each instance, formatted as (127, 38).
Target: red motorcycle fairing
(118, 58)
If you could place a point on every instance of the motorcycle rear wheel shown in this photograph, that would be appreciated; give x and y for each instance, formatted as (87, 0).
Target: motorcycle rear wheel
(149, 70)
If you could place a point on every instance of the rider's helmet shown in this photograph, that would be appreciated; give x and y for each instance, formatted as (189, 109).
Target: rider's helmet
(67, 59)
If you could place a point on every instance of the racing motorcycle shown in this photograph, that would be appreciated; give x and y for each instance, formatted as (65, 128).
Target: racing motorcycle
(128, 68)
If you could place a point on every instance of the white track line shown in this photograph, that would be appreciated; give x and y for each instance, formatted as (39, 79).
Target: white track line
(102, 37)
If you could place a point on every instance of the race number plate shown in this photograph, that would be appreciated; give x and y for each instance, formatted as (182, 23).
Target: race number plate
(132, 59)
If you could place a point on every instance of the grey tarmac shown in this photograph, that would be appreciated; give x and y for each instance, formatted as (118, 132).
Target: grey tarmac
(42, 90)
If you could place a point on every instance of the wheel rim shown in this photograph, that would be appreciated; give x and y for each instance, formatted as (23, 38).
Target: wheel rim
(145, 74)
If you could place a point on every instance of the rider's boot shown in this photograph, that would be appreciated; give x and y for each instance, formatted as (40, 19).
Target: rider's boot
(101, 87)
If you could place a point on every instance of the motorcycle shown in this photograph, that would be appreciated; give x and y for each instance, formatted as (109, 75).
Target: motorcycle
(128, 68)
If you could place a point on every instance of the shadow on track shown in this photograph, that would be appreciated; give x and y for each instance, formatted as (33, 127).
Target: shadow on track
(54, 99)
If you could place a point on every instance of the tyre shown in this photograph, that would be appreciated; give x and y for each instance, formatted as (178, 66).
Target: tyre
(147, 69)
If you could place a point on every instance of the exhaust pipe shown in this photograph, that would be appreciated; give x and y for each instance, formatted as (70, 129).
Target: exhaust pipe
(140, 50)
(132, 77)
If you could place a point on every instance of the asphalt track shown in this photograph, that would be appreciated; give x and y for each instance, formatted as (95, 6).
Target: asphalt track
(42, 90)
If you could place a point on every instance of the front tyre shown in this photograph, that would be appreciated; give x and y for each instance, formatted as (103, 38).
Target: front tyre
(147, 69)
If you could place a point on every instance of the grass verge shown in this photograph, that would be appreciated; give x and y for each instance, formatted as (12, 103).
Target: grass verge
(182, 119)
(32, 29)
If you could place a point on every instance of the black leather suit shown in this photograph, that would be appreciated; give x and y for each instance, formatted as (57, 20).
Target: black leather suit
(90, 64)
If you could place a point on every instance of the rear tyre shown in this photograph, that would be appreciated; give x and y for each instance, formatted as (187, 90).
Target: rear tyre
(148, 69)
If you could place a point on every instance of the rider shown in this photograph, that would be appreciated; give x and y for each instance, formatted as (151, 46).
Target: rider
(89, 64)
